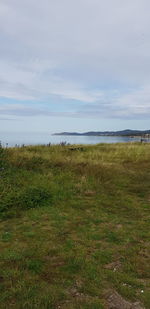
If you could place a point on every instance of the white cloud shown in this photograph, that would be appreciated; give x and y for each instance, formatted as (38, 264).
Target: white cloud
(136, 103)
(79, 50)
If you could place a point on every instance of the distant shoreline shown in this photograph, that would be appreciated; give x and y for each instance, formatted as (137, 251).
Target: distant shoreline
(125, 133)
(130, 136)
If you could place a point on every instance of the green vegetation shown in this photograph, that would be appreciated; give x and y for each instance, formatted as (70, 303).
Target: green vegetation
(74, 225)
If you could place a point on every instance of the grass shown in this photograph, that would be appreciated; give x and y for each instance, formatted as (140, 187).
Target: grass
(74, 224)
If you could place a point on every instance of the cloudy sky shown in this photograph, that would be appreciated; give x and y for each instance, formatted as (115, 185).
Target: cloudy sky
(74, 65)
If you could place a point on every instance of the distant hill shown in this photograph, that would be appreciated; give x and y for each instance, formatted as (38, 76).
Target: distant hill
(127, 132)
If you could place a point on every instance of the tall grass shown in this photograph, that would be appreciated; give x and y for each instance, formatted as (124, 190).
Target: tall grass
(74, 225)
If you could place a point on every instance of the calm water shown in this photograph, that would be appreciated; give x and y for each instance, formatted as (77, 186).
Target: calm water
(44, 138)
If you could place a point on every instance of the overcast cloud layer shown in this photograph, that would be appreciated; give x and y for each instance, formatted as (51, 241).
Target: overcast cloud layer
(78, 59)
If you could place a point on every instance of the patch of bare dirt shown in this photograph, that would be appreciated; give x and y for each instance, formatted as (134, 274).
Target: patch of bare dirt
(90, 193)
(116, 301)
(115, 266)
(75, 296)
(75, 293)
(119, 226)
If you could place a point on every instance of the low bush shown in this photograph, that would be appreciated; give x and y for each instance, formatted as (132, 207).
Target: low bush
(31, 197)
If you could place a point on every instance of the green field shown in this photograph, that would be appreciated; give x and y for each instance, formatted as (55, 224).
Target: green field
(74, 226)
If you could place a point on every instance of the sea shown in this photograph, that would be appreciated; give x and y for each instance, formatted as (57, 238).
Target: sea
(11, 139)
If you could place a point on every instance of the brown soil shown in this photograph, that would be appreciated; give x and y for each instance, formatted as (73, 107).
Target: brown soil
(116, 301)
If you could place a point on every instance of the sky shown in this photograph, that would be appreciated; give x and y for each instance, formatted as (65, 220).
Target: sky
(70, 65)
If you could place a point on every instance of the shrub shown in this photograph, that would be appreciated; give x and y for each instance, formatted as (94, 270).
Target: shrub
(31, 197)
(34, 197)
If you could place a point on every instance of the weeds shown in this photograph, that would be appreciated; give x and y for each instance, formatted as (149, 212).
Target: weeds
(74, 224)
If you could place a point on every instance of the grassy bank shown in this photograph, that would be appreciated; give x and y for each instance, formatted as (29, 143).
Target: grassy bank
(74, 226)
